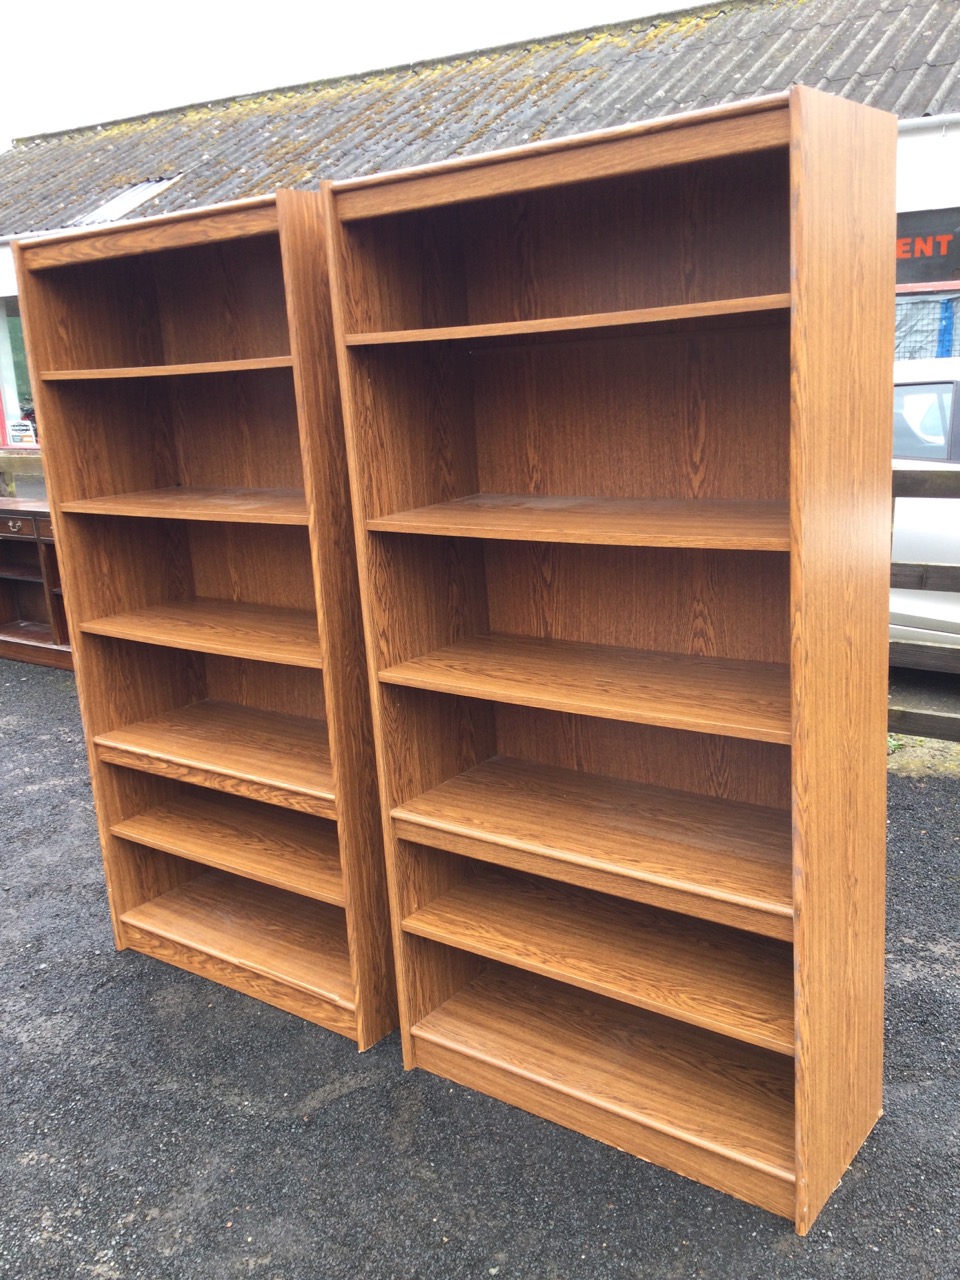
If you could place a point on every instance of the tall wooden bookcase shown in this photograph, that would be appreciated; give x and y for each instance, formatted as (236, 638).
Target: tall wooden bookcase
(186, 386)
(617, 414)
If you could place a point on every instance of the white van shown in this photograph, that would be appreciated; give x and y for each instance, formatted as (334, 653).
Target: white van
(926, 433)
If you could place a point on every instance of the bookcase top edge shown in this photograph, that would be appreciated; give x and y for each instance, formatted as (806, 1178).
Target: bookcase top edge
(141, 235)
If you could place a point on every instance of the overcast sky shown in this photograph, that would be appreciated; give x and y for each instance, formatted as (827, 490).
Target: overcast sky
(66, 63)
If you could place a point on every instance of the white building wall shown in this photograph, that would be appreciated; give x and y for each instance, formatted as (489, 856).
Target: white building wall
(928, 164)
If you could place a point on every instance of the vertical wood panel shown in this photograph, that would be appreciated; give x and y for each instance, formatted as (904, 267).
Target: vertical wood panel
(843, 289)
(303, 241)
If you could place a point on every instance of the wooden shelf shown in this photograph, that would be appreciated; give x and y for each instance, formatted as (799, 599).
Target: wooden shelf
(17, 573)
(732, 983)
(282, 937)
(29, 641)
(287, 636)
(709, 858)
(237, 506)
(693, 311)
(288, 850)
(166, 370)
(732, 1101)
(710, 695)
(623, 522)
(282, 759)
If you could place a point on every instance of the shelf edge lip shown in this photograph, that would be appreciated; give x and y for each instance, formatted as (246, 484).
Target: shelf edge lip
(524, 528)
(102, 506)
(722, 727)
(340, 1001)
(166, 370)
(785, 1048)
(400, 814)
(120, 830)
(102, 743)
(219, 647)
(567, 324)
(671, 1131)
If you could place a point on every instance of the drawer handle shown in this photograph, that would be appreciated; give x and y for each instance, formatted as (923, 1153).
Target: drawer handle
(14, 525)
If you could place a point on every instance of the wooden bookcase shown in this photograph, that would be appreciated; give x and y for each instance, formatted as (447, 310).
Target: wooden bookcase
(186, 385)
(617, 414)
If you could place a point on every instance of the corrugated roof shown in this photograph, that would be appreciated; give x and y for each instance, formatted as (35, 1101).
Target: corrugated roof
(900, 55)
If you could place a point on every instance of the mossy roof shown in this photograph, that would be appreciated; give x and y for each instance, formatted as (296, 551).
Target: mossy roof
(901, 55)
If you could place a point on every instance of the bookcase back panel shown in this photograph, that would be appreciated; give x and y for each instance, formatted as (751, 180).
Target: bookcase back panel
(430, 737)
(179, 306)
(453, 734)
(129, 682)
(139, 681)
(722, 604)
(701, 763)
(136, 563)
(266, 686)
(683, 234)
(424, 601)
(644, 416)
(651, 416)
(413, 417)
(217, 431)
(709, 603)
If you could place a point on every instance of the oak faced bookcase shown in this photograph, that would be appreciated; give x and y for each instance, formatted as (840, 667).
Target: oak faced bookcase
(186, 385)
(617, 414)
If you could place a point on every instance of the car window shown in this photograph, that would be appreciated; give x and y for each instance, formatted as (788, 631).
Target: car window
(921, 420)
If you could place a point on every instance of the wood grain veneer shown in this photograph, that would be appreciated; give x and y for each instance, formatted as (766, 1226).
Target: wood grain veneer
(721, 1098)
(189, 404)
(731, 983)
(710, 695)
(221, 626)
(281, 758)
(842, 337)
(624, 522)
(560, 324)
(288, 850)
(709, 858)
(265, 930)
(165, 370)
(251, 506)
(553, 361)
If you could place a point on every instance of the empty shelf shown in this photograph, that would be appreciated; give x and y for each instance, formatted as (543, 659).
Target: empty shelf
(736, 984)
(289, 850)
(711, 858)
(710, 695)
(264, 755)
(278, 935)
(726, 1099)
(238, 506)
(167, 370)
(687, 311)
(624, 522)
(262, 632)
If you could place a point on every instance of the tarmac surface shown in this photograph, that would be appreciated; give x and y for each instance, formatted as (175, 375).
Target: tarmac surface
(155, 1126)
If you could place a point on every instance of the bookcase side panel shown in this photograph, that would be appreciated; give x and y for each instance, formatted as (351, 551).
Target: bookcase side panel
(304, 246)
(841, 390)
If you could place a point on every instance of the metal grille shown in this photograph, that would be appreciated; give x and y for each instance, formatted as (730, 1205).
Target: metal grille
(928, 327)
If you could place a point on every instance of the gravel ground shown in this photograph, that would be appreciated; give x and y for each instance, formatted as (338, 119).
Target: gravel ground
(158, 1127)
